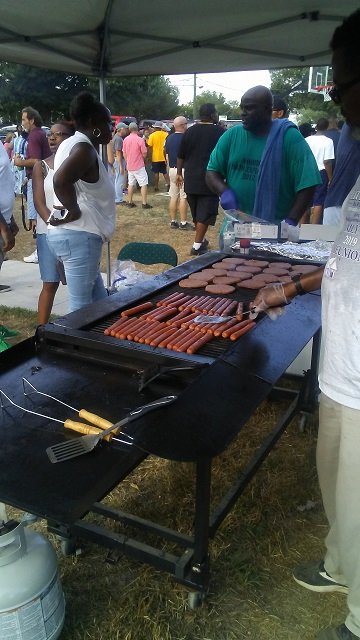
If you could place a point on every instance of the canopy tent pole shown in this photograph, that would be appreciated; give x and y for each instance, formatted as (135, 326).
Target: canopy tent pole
(102, 98)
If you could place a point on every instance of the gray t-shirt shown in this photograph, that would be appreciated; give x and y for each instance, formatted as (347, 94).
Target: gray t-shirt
(118, 143)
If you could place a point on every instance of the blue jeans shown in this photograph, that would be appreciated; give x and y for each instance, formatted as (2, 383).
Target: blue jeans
(80, 253)
(119, 182)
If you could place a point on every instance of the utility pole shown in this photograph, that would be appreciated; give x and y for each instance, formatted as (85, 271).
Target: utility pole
(194, 98)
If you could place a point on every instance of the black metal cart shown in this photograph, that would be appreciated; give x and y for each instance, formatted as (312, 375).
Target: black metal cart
(72, 360)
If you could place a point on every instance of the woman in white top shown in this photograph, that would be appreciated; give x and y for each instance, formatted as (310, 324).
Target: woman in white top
(51, 270)
(83, 217)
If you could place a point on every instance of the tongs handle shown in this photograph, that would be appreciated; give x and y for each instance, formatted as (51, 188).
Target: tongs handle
(94, 419)
(85, 429)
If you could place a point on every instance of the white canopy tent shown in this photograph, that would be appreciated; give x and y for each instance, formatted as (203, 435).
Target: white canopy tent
(119, 37)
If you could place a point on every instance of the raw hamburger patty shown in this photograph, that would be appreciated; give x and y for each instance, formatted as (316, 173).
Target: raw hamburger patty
(221, 289)
(226, 280)
(201, 276)
(254, 283)
(248, 269)
(257, 263)
(192, 283)
(223, 265)
(285, 265)
(276, 271)
(303, 268)
(233, 260)
(213, 272)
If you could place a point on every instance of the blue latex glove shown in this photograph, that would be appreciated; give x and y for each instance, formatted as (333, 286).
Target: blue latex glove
(228, 200)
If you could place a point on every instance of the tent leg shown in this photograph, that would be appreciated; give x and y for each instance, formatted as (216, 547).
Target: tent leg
(102, 97)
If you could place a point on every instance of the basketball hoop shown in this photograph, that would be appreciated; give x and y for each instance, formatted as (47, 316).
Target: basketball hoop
(324, 89)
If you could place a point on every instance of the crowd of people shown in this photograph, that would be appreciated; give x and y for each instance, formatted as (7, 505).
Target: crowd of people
(265, 167)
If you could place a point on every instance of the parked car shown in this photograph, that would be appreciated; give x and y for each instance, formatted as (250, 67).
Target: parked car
(125, 119)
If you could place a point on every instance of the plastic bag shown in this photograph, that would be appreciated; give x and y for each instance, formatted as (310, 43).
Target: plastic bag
(124, 274)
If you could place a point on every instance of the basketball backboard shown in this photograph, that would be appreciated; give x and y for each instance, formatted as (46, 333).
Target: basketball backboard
(320, 80)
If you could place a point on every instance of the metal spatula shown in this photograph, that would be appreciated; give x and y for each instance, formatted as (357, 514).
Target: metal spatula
(77, 447)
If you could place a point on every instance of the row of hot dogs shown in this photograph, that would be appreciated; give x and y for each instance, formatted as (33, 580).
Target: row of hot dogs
(171, 323)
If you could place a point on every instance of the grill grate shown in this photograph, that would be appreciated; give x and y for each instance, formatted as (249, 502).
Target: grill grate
(213, 349)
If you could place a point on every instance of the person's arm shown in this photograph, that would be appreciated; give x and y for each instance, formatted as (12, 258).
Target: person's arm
(278, 295)
(39, 193)
(29, 162)
(120, 159)
(216, 182)
(81, 160)
(110, 154)
(302, 202)
(179, 171)
(328, 169)
(6, 234)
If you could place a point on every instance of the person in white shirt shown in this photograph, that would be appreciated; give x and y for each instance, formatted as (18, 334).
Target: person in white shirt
(8, 227)
(83, 217)
(323, 150)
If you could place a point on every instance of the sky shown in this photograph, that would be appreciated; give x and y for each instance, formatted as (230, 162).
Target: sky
(232, 85)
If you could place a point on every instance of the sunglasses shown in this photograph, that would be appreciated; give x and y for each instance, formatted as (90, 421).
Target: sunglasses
(337, 92)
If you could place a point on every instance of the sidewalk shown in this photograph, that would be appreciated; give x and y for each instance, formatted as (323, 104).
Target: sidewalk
(24, 279)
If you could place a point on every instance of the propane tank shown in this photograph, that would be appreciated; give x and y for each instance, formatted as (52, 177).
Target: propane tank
(32, 604)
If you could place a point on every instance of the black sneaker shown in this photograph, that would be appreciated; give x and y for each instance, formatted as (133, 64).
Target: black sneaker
(337, 633)
(313, 576)
(202, 249)
(147, 206)
(174, 225)
(4, 287)
(186, 227)
(131, 205)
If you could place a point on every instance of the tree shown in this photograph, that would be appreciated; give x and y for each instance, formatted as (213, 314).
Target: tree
(151, 97)
(50, 92)
(230, 109)
(292, 85)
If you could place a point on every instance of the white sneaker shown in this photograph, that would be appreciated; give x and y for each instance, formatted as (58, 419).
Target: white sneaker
(33, 257)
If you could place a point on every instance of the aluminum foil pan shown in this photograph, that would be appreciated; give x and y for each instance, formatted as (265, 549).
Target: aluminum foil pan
(315, 251)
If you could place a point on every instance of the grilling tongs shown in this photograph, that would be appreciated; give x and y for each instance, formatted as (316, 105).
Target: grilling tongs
(79, 446)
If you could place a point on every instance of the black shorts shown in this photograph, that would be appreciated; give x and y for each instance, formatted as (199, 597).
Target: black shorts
(158, 167)
(203, 208)
(321, 190)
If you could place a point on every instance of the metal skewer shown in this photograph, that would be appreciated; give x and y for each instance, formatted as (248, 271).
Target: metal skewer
(83, 413)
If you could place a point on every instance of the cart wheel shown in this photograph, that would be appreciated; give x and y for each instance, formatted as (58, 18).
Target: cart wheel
(196, 599)
(302, 422)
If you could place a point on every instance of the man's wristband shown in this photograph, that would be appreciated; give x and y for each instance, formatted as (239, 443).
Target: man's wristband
(298, 286)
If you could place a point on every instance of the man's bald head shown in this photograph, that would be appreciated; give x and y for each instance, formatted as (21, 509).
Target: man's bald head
(180, 123)
(261, 95)
(256, 109)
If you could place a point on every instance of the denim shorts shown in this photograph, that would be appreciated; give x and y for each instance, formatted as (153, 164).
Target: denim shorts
(51, 270)
(80, 253)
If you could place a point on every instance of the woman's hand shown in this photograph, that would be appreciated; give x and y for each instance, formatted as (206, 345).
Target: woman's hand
(62, 216)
